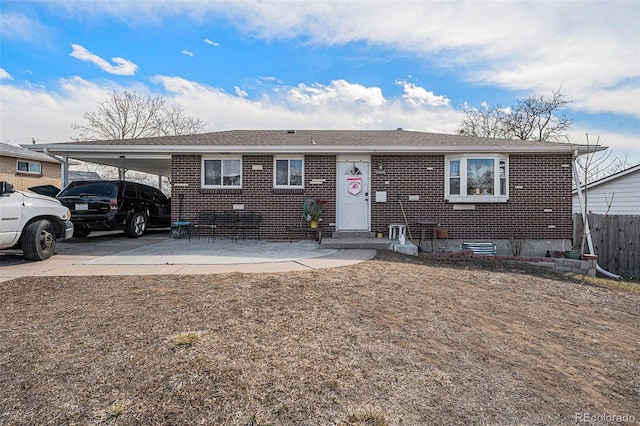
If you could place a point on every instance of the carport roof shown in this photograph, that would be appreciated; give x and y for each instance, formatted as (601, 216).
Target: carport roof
(154, 154)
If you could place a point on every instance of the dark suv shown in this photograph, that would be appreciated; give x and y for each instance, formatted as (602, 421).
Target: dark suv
(104, 205)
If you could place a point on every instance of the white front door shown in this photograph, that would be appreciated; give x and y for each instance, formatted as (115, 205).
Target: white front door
(352, 205)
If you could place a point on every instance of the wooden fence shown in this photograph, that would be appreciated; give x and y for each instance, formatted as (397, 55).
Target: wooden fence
(616, 241)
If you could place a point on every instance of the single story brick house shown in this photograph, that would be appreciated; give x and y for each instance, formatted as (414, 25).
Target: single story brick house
(477, 188)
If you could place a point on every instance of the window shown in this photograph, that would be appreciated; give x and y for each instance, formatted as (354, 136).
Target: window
(130, 191)
(222, 172)
(288, 172)
(476, 179)
(29, 167)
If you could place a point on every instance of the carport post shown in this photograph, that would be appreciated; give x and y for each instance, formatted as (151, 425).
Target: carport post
(65, 171)
(122, 170)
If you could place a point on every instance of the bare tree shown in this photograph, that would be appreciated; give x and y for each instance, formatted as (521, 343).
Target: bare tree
(532, 118)
(129, 115)
(586, 166)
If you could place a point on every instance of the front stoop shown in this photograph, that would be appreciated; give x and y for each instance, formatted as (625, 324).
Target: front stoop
(366, 240)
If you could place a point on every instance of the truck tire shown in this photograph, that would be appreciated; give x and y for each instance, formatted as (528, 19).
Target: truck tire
(38, 240)
(136, 226)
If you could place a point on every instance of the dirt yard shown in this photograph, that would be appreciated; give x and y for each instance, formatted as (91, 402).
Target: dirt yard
(395, 340)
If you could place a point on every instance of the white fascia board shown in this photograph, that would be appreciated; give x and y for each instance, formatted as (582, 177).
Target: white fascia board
(350, 149)
(70, 149)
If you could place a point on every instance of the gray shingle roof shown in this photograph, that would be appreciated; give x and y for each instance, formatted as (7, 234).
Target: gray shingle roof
(7, 150)
(343, 138)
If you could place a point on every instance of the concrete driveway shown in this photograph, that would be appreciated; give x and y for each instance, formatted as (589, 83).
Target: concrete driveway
(111, 253)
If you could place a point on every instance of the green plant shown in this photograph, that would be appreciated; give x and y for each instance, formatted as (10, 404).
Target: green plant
(314, 208)
(116, 410)
(186, 339)
(255, 422)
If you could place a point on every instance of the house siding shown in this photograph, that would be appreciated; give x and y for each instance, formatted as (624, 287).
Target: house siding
(541, 209)
(51, 174)
(620, 196)
(539, 205)
(280, 208)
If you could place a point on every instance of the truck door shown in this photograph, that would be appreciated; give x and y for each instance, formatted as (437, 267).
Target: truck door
(10, 212)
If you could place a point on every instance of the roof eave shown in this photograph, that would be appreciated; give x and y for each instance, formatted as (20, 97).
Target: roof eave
(71, 149)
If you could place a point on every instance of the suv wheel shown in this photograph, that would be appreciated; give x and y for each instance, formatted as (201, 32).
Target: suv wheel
(136, 226)
(81, 232)
(38, 240)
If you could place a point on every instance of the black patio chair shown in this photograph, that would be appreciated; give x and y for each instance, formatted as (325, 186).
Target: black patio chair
(207, 221)
(228, 219)
(250, 221)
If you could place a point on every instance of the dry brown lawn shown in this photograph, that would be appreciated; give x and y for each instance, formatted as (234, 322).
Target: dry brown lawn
(394, 340)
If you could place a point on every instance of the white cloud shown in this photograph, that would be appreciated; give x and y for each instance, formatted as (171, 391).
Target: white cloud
(16, 26)
(212, 43)
(46, 115)
(240, 92)
(187, 52)
(524, 46)
(339, 105)
(121, 67)
(531, 47)
(338, 92)
(4, 75)
(419, 96)
(621, 100)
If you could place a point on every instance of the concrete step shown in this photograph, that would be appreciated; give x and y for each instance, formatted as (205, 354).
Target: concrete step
(352, 234)
(357, 243)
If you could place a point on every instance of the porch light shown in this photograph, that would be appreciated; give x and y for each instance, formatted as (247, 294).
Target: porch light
(380, 170)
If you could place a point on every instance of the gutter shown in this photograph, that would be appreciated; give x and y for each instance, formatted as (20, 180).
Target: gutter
(204, 149)
(586, 220)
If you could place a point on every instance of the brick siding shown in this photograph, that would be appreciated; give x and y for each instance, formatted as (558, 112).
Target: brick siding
(51, 174)
(280, 208)
(545, 181)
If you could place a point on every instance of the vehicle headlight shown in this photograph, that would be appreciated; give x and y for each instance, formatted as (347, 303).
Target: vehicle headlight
(68, 214)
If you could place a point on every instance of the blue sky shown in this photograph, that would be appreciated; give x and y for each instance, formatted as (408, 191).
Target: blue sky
(321, 65)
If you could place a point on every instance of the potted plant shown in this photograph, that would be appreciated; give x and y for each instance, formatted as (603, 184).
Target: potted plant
(314, 211)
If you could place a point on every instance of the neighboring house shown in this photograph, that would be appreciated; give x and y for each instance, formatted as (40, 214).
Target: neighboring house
(478, 188)
(25, 168)
(618, 194)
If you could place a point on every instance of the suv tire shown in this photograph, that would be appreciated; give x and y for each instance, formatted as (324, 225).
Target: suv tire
(38, 240)
(81, 232)
(136, 226)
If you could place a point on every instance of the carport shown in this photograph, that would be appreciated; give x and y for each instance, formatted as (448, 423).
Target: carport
(148, 159)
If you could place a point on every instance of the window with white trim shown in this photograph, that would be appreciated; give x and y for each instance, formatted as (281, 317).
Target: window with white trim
(477, 178)
(222, 172)
(288, 172)
(30, 167)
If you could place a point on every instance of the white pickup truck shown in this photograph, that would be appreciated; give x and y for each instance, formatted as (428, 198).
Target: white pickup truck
(32, 222)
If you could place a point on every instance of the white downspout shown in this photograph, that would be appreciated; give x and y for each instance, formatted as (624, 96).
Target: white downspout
(585, 219)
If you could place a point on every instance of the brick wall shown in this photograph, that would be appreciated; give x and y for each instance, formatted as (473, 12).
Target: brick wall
(545, 182)
(51, 174)
(279, 207)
